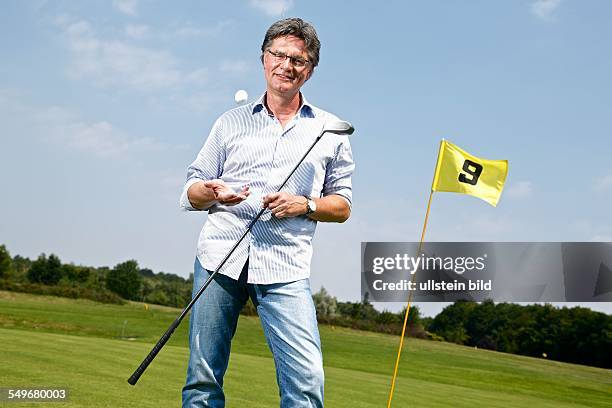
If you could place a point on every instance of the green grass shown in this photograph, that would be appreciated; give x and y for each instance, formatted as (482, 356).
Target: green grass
(48, 341)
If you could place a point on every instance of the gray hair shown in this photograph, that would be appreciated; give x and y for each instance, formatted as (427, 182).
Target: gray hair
(298, 28)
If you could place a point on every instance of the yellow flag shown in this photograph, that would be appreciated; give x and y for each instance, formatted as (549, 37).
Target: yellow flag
(457, 171)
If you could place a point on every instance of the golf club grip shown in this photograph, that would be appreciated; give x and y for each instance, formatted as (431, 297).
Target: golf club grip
(153, 353)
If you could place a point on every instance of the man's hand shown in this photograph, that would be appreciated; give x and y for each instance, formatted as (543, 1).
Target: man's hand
(204, 194)
(284, 205)
(224, 194)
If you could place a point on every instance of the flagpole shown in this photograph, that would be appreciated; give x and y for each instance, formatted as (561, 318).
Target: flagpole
(399, 350)
(497, 184)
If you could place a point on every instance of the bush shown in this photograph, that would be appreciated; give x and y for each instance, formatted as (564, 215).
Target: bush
(73, 292)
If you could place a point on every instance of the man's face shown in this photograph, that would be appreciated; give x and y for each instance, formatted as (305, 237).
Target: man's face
(283, 76)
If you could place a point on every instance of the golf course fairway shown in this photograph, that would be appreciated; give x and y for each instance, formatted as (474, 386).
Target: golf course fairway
(92, 348)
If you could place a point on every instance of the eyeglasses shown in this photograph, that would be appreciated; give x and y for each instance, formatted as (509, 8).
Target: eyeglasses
(297, 62)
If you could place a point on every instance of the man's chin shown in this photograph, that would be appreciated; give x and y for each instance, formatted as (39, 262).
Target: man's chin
(285, 90)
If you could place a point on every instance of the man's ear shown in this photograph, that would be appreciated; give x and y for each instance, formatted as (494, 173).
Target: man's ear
(309, 74)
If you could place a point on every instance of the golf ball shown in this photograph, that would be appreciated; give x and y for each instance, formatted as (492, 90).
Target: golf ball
(241, 96)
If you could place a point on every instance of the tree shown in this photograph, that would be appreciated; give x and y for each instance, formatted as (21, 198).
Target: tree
(325, 304)
(387, 317)
(450, 322)
(414, 316)
(5, 262)
(75, 274)
(20, 265)
(47, 271)
(37, 269)
(158, 297)
(147, 273)
(146, 289)
(125, 280)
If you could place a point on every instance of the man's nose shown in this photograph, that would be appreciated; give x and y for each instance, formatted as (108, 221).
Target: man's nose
(286, 64)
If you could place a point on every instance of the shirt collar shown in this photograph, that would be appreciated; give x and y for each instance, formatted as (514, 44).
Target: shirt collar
(306, 109)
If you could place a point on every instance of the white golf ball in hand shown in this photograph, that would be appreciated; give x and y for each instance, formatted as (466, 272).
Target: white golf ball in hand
(241, 96)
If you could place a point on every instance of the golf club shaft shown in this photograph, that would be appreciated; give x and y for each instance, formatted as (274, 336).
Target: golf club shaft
(166, 336)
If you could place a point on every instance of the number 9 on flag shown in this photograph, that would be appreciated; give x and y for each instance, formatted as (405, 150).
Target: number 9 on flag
(457, 171)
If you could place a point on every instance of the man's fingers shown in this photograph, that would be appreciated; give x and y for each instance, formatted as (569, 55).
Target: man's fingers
(235, 199)
(270, 198)
(231, 198)
(280, 211)
(245, 192)
(224, 194)
(274, 205)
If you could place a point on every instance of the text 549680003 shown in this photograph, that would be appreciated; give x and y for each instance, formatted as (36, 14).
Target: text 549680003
(22, 394)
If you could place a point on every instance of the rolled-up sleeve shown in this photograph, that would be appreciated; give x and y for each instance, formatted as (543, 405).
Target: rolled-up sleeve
(339, 172)
(208, 165)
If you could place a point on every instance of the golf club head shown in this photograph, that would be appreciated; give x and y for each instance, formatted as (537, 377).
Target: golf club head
(338, 127)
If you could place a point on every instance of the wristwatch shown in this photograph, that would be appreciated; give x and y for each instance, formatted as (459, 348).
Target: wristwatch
(311, 206)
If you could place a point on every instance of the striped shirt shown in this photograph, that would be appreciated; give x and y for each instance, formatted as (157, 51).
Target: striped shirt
(248, 146)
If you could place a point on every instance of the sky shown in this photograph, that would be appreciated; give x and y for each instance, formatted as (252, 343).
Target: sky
(104, 104)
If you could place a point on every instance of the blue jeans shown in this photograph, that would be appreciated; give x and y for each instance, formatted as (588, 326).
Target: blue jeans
(288, 317)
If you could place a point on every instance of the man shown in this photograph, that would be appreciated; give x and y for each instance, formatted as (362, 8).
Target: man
(249, 152)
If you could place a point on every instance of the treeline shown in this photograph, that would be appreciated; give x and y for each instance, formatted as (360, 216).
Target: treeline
(127, 281)
(363, 316)
(575, 335)
(47, 275)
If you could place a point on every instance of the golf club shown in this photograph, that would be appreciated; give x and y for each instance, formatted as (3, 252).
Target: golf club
(337, 127)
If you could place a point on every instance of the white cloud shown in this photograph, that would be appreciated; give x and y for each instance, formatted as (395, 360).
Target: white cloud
(604, 183)
(272, 7)
(545, 9)
(520, 189)
(176, 31)
(99, 138)
(80, 28)
(112, 62)
(128, 7)
(136, 31)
